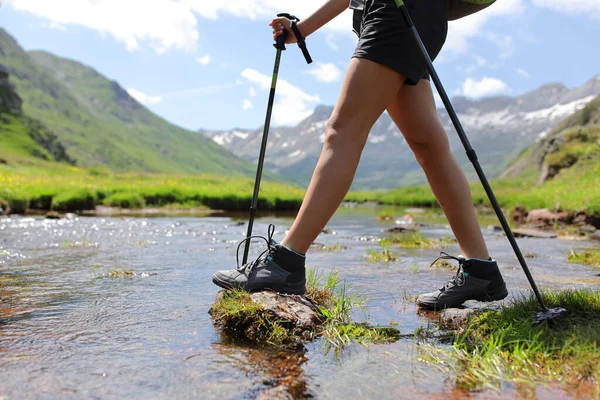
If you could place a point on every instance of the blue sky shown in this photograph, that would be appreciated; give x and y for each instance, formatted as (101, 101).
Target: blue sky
(207, 64)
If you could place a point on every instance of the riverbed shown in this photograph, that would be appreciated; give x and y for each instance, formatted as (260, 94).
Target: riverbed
(117, 307)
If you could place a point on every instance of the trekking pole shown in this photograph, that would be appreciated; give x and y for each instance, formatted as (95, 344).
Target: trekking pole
(546, 314)
(280, 46)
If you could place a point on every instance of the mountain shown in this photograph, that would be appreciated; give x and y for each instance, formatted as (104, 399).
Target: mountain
(572, 144)
(499, 128)
(99, 124)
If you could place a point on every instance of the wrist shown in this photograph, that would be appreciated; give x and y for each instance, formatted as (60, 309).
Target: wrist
(303, 29)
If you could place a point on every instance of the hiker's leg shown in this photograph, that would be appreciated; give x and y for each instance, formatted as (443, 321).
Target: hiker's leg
(414, 112)
(367, 90)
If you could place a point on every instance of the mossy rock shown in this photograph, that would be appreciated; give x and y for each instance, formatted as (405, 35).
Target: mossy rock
(266, 317)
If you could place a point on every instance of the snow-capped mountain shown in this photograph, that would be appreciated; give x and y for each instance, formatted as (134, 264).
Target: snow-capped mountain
(497, 127)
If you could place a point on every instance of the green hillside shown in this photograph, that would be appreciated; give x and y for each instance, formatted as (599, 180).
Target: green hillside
(99, 124)
(22, 138)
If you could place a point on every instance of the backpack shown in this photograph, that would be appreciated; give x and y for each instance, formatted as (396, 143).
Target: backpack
(455, 9)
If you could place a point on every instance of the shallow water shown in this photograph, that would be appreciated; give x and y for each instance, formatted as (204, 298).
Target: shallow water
(69, 330)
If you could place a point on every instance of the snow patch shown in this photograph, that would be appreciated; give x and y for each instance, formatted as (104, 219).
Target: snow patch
(559, 110)
(241, 135)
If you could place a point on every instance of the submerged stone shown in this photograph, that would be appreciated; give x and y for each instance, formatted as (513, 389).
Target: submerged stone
(535, 233)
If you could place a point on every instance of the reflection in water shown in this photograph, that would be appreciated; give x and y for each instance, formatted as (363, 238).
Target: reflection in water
(279, 371)
(70, 330)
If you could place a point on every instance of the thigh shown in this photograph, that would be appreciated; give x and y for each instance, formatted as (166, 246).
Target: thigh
(414, 112)
(368, 90)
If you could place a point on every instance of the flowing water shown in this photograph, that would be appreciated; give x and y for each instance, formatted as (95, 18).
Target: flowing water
(68, 329)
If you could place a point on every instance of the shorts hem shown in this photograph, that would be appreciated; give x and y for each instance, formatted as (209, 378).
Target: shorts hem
(412, 77)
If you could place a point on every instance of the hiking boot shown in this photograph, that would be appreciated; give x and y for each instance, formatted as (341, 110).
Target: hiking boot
(277, 268)
(475, 279)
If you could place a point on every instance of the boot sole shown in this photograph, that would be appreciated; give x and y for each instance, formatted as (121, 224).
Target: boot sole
(497, 294)
(285, 288)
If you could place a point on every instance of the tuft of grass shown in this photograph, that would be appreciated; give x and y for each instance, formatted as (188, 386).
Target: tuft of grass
(444, 265)
(386, 215)
(239, 316)
(503, 346)
(591, 257)
(334, 248)
(416, 240)
(119, 273)
(385, 255)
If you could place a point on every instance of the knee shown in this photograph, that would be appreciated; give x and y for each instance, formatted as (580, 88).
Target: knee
(430, 152)
(344, 133)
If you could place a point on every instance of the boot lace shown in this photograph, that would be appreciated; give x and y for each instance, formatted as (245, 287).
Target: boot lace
(459, 278)
(271, 249)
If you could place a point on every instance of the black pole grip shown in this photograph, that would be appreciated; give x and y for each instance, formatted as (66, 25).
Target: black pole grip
(280, 43)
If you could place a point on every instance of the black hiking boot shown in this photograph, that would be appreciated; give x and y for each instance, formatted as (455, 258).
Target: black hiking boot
(475, 280)
(277, 268)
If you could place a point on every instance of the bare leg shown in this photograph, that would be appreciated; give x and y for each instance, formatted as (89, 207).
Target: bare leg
(414, 112)
(368, 89)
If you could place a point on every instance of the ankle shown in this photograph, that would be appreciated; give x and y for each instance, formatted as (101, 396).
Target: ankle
(288, 259)
(482, 268)
(293, 247)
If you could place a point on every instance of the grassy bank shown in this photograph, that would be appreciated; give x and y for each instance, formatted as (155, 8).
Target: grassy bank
(573, 190)
(64, 188)
(52, 186)
(503, 346)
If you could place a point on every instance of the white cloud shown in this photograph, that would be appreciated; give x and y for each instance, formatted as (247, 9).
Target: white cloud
(460, 31)
(325, 72)
(144, 98)
(252, 92)
(162, 24)
(293, 104)
(266, 9)
(55, 25)
(485, 87)
(247, 105)
(204, 60)
(522, 72)
(572, 7)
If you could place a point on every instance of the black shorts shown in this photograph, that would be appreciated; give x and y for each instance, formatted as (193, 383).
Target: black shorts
(385, 38)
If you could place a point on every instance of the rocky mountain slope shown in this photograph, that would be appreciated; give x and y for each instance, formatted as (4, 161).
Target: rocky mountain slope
(499, 128)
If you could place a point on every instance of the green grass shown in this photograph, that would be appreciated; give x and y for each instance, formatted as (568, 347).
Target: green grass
(496, 347)
(383, 255)
(575, 189)
(240, 317)
(335, 304)
(591, 257)
(415, 240)
(43, 186)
